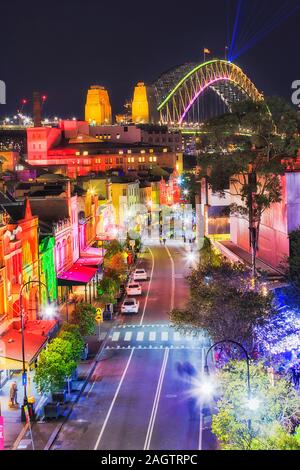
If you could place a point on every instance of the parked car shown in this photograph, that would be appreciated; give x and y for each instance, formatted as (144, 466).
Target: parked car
(134, 288)
(130, 306)
(140, 275)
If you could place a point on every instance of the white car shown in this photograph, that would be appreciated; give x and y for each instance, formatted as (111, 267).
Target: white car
(134, 288)
(130, 306)
(140, 275)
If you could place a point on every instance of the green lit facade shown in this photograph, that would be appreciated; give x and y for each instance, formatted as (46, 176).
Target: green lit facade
(47, 268)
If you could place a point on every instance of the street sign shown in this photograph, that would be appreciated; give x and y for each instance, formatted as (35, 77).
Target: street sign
(24, 379)
(1, 433)
(99, 315)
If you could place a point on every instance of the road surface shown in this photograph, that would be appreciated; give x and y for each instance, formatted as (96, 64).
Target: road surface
(138, 398)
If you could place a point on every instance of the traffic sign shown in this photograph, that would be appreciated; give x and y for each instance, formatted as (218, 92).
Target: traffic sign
(99, 315)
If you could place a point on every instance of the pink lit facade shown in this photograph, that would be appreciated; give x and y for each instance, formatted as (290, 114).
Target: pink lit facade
(277, 222)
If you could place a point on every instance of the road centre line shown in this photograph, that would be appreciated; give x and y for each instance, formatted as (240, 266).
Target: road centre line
(173, 278)
(156, 401)
(113, 401)
(149, 286)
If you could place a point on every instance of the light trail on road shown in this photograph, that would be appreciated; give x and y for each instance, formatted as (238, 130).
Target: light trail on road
(156, 401)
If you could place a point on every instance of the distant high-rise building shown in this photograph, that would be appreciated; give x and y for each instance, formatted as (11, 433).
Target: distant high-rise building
(97, 107)
(144, 108)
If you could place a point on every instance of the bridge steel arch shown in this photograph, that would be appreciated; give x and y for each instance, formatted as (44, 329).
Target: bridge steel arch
(223, 77)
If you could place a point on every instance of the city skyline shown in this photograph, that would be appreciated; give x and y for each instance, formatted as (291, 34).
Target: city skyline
(68, 50)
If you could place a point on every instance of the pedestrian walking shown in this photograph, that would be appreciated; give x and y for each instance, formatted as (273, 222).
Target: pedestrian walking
(13, 394)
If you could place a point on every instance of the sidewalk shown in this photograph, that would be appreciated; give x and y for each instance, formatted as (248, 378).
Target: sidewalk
(16, 433)
(236, 253)
(12, 416)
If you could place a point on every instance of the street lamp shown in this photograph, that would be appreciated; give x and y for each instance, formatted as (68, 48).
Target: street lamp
(49, 311)
(252, 402)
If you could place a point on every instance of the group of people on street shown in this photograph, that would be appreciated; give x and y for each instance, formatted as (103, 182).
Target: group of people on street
(295, 374)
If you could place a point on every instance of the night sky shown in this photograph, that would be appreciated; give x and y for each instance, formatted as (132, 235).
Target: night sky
(62, 47)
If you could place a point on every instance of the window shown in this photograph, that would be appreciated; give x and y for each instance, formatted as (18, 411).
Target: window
(85, 153)
(124, 192)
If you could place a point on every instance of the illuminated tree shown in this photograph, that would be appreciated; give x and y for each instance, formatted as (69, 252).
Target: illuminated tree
(72, 334)
(272, 423)
(223, 303)
(259, 137)
(108, 289)
(84, 317)
(115, 267)
(55, 364)
(112, 248)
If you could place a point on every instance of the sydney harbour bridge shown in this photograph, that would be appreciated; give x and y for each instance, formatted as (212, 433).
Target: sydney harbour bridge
(189, 94)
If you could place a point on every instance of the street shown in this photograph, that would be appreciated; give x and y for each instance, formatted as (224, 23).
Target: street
(137, 399)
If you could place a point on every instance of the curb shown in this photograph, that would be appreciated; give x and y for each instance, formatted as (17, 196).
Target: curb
(59, 427)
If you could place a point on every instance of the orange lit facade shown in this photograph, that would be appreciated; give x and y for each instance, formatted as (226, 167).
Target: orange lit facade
(20, 258)
(97, 107)
(144, 105)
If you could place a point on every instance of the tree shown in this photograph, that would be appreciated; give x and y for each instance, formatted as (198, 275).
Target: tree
(112, 248)
(223, 302)
(72, 334)
(115, 267)
(258, 135)
(272, 424)
(107, 289)
(55, 364)
(84, 317)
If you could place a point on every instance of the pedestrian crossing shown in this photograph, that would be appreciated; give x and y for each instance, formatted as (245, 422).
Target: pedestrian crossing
(154, 337)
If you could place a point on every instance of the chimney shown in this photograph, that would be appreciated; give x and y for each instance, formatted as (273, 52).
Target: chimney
(37, 109)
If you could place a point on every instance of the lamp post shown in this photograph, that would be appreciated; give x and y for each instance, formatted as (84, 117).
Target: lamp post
(206, 368)
(24, 377)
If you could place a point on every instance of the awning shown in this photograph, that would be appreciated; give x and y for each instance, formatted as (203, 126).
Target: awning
(92, 262)
(91, 256)
(11, 348)
(78, 275)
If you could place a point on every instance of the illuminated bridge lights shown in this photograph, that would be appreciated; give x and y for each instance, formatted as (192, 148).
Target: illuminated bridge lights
(226, 79)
